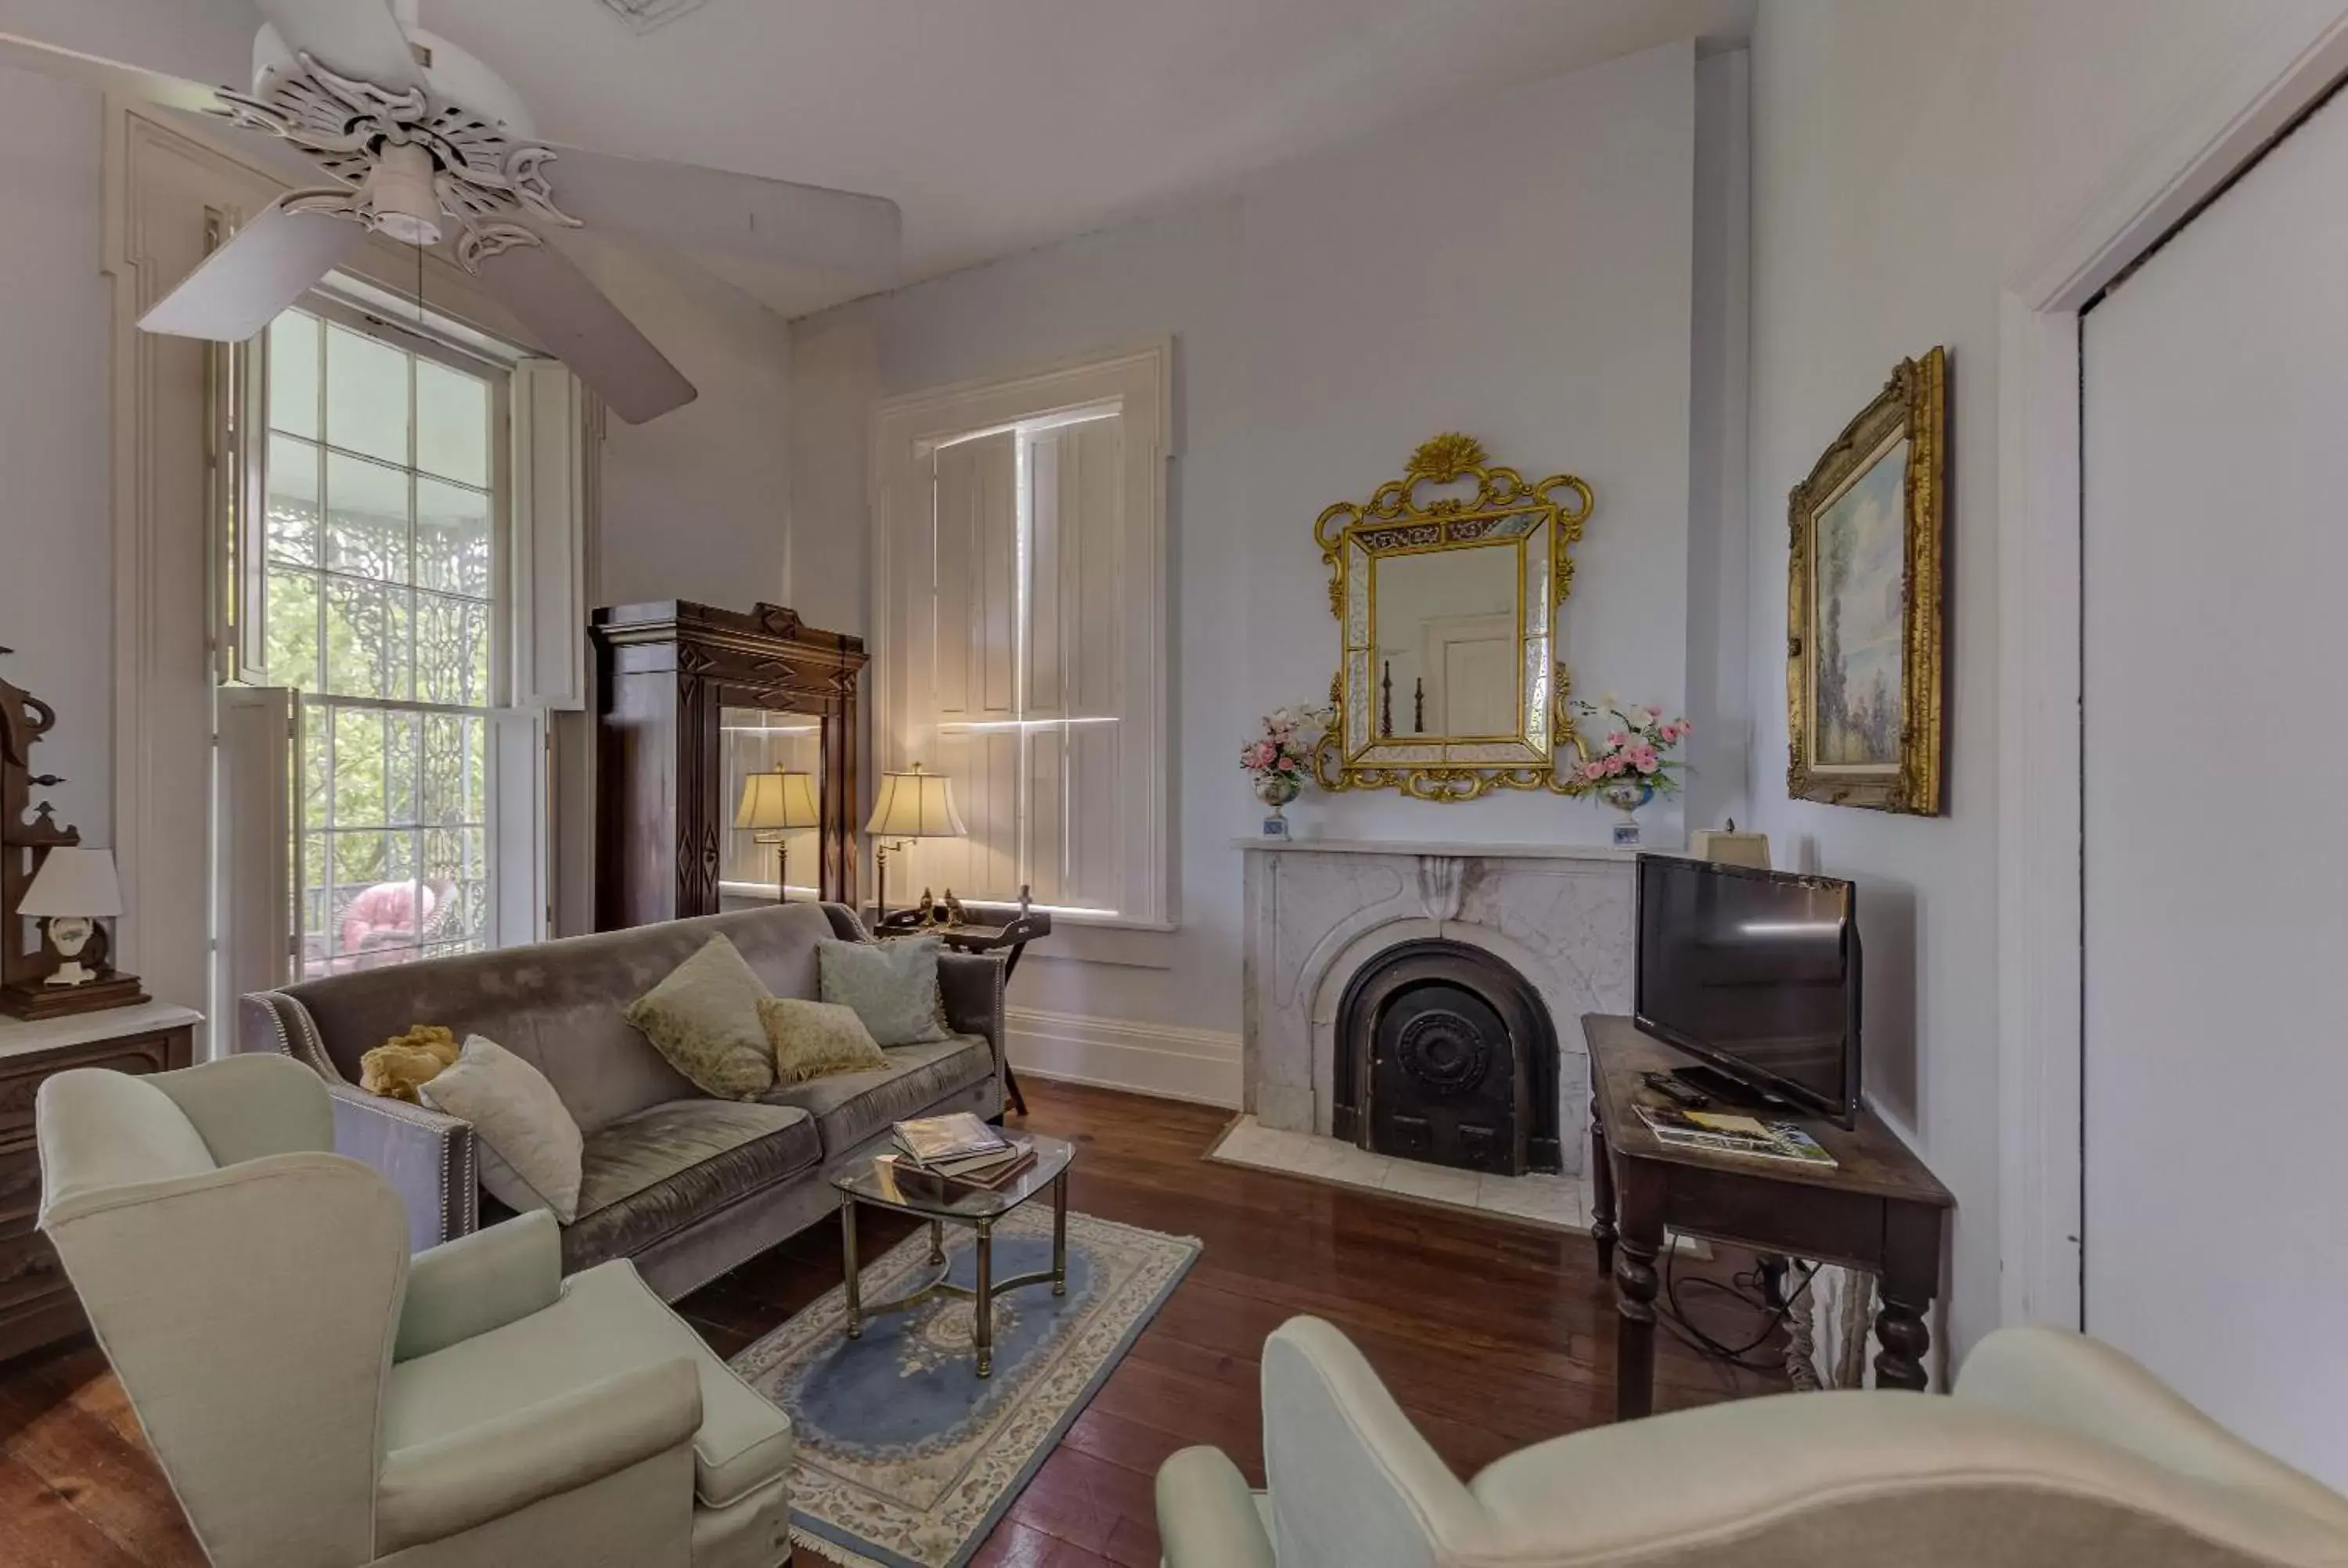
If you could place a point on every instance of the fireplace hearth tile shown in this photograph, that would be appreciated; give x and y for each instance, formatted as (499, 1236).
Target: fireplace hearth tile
(1555, 1203)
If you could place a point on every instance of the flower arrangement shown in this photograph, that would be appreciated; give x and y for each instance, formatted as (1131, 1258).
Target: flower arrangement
(1632, 759)
(1281, 759)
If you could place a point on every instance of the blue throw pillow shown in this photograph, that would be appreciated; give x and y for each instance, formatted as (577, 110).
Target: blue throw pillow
(893, 987)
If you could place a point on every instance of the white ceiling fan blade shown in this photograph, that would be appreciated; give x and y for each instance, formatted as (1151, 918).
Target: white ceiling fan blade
(688, 208)
(108, 75)
(245, 284)
(579, 325)
(350, 38)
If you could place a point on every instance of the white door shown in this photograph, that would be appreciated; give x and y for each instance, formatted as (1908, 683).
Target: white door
(2215, 685)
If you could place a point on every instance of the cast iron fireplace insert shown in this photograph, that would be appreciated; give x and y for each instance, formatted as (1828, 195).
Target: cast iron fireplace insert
(1446, 1054)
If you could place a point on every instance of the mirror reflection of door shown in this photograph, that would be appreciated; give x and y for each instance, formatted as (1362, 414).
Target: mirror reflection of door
(757, 740)
(1448, 629)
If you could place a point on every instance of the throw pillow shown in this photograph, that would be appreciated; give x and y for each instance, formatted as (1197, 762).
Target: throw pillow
(815, 1039)
(893, 986)
(529, 1146)
(704, 1019)
(395, 1067)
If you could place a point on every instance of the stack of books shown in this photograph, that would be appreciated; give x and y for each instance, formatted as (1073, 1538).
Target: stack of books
(961, 1151)
(1727, 1134)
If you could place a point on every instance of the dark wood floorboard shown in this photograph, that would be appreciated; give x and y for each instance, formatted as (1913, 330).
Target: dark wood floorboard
(1491, 1335)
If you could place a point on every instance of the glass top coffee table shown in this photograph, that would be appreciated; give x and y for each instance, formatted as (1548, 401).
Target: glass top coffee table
(879, 1181)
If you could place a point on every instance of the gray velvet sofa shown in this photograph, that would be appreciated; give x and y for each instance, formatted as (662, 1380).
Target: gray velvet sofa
(687, 1185)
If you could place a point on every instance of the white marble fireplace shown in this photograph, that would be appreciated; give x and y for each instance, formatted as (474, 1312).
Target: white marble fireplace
(1317, 910)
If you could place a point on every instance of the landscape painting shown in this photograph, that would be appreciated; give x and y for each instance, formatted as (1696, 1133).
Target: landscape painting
(1862, 552)
(1864, 715)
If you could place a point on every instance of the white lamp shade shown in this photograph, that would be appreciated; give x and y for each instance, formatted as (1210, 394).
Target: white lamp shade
(780, 802)
(915, 806)
(74, 882)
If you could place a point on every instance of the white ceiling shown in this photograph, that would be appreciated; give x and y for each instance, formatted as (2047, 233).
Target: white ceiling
(1001, 125)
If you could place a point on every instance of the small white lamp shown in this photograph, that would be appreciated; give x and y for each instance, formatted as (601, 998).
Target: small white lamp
(74, 888)
(775, 805)
(911, 806)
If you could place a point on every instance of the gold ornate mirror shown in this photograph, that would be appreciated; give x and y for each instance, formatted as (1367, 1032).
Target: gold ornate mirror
(1448, 684)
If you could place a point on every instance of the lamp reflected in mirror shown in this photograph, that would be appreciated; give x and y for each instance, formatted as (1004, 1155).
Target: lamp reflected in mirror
(776, 804)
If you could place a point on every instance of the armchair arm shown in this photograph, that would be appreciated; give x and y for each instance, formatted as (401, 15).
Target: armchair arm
(1207, 1517)
(433, 1490)
(2070, 1381)
(425, 1154)
(970, 985)
(479, 1282)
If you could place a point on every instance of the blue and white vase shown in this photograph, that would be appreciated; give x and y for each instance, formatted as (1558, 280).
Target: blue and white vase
(1276, 790)
(1627, 795)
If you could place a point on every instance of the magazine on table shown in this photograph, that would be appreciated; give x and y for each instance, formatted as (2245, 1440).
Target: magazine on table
(1727, 1132)
(959, 1140)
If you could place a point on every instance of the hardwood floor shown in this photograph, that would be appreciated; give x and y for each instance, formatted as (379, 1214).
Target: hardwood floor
(1490, 1334)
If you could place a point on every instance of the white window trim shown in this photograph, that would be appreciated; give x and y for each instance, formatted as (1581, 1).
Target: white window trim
(907, 430)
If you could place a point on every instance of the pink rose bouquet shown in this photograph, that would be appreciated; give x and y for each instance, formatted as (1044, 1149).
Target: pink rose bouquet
(1632, 749)
(1284, 751)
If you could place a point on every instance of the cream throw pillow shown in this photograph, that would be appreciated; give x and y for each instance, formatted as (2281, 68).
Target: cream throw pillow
(529, 1145)
(815, 1039)
(893, 986)
(704, 1019)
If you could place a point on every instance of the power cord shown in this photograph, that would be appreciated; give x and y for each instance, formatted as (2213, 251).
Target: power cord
(1754, 1288)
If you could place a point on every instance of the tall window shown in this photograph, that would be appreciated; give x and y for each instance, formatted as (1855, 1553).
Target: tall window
(385, 606)
(1023, 630)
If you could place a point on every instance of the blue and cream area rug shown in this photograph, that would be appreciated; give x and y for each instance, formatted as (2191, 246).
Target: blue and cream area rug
(906, 1457)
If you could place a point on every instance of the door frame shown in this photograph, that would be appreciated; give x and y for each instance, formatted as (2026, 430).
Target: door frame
(2282, 71)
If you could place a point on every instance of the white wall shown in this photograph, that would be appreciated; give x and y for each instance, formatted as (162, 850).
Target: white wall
(57, 590)
(1520, 270)
(1910, 158)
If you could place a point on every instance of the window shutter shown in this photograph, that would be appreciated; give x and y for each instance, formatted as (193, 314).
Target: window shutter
(1076, 602)
(557, 449)
(519, 807)
(252, 883)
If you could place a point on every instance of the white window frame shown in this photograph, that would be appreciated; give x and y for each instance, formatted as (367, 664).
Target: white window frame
(907, 431)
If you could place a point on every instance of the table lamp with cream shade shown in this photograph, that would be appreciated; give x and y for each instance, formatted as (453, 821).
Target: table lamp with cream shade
(911, 804)
(776, 804)
(75, 888)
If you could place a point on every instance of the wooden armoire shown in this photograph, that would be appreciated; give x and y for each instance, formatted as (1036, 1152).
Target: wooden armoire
(687, 697)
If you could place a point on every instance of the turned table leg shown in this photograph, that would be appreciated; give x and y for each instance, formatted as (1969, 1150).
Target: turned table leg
(1601, 1192)
(1910, 1278)
(848, 1258)
(982, 1308)
(1636, 1284)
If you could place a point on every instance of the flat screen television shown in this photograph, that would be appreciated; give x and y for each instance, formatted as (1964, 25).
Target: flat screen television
(1756, 973)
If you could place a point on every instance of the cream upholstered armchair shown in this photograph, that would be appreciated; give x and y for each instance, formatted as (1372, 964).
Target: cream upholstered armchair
(2054, 1452)
(319, 1400)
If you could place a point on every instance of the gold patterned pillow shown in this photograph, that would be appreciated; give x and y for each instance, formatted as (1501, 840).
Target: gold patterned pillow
(815, 1039)
(704, 1019)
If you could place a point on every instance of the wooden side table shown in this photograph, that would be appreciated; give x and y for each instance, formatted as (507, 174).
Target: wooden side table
(1878, 1209)
(1005, 929)
(38, 1306)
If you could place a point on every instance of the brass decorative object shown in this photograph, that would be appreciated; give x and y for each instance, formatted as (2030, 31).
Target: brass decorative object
(1487, 707)
(1864, 678)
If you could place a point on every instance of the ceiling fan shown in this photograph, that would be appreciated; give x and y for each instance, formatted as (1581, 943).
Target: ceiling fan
(422, 143)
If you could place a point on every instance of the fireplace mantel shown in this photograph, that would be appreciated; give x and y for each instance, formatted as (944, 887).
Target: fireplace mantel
(1317, 910)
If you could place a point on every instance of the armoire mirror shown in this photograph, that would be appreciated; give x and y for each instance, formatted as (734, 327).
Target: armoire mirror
(1447, 585)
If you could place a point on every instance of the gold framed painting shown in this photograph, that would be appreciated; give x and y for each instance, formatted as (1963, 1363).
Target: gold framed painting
(1864, 682)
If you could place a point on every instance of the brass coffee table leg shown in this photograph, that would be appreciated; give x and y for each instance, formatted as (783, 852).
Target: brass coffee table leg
(1060, 1234)
(937, 1241)
(848, 1255)
(983, 1320)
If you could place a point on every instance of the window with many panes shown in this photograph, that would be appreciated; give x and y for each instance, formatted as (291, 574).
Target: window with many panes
(384, 607)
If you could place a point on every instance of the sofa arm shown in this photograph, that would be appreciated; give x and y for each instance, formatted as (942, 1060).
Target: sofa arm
(433, 1490)
(1207, 1517)
(425, 1154)
(479, 1282)
(970, 985)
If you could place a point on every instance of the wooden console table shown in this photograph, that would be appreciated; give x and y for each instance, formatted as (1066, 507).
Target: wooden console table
(1878, 1210)
(38, 1306)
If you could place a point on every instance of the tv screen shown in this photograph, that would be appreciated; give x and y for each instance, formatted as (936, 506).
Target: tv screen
(1754, 971)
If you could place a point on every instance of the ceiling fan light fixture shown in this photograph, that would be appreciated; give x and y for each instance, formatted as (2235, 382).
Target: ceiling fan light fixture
(399, 200)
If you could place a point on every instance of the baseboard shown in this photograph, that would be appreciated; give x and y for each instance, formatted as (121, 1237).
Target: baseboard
(1201, 1065)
